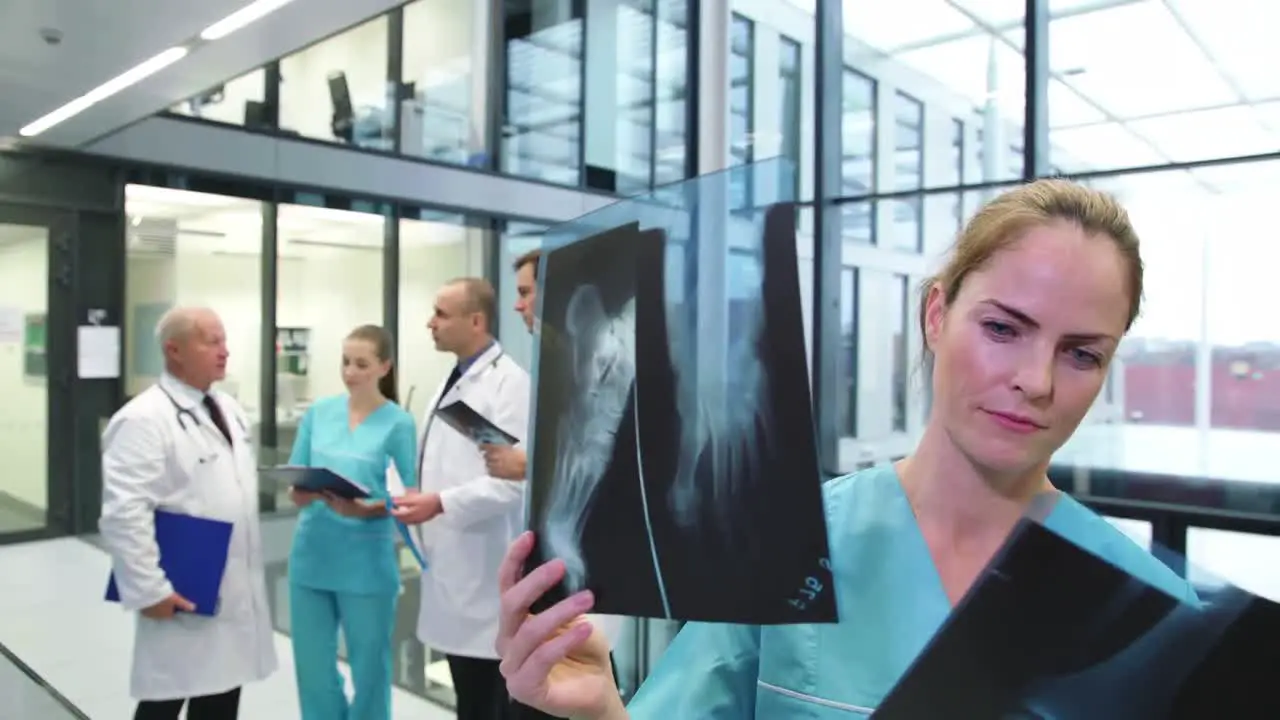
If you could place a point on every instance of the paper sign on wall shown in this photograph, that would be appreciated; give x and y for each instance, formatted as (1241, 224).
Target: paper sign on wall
(98, 352)
(10, 325)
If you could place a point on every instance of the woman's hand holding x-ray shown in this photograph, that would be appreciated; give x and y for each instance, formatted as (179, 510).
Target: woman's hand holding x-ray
(556, 661)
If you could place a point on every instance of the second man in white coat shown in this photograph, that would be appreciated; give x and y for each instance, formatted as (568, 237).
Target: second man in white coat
(468, 517)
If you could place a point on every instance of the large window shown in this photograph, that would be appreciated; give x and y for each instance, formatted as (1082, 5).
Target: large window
(965, 56)
(608, 113)
(337, 89)
(908, 172)
(1199, 84)
(789, 107)
(329, 282)
(442, 107)
(187, 248)
(741, 108)
(241, 101)
(433, 251)
(858, 155)
(542, 129)
(24, 360)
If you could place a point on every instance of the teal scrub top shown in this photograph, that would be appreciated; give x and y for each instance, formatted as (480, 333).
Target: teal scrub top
(891, 603)
(342, 554)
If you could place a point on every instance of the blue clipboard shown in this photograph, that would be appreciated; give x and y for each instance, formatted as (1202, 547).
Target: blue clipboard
(193, 556)
(317, 480)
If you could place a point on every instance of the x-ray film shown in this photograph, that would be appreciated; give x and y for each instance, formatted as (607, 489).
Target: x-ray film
(674, 461)
(1052, 631)
(466, 420)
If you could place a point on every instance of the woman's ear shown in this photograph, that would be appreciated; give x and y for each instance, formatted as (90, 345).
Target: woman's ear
(935, 311)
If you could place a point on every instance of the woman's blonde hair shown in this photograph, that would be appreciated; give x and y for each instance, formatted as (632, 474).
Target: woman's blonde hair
(1004, 220)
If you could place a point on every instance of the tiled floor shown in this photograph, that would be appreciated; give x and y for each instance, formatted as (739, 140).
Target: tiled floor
(52, 616)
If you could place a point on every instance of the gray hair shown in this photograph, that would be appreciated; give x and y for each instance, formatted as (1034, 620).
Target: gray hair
(178, 323)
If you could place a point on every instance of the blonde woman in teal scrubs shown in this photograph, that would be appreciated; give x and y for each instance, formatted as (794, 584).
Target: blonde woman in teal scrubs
(343, 570)
(1022, 324)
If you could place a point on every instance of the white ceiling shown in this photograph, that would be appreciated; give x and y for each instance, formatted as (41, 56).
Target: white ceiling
(218, 224)
(101, 40)
(1134, 82)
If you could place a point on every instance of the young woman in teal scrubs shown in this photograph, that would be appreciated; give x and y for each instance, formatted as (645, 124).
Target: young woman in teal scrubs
(1021, 324)
(343, 569)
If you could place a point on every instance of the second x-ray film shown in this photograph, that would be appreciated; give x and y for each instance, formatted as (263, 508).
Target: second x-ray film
(674, 461)
(1051, 630)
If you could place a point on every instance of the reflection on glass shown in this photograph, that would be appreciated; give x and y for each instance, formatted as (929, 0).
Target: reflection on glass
(442, 99)
(741, 108)
(337, 89)
(240, 101)
(858, 156)
(637, 80)
(1244, 348)
(965, 50)
(329, 281)
(789, 128)
(670, 157)
(1156, 363)
(187, 248)
(908, 172)
(847, 367)
(542, 130)
(24, 412)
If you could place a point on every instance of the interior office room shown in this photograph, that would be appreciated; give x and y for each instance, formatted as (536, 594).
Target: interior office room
(523, 94)
(929, 102)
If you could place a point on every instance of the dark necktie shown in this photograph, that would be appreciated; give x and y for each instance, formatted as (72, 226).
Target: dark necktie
(219, 420)
(453, 379)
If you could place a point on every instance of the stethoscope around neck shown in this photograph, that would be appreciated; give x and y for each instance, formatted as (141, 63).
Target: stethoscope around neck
(188, 418)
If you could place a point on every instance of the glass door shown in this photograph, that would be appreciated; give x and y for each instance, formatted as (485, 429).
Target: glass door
(27, 372)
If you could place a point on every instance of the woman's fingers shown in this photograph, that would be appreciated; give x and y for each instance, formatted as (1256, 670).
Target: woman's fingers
(516, 600)
(526, 684)
(512, 567)
(537, 630)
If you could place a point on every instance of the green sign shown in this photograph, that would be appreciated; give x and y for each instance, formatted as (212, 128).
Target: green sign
(34, 356)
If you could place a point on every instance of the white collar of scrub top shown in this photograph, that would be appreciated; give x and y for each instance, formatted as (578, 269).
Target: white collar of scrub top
(481, 366)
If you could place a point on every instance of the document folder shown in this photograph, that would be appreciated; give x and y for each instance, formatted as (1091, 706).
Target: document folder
(317, 480)
(193, 556)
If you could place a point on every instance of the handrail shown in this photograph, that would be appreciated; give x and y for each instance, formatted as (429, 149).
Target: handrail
(35, 677)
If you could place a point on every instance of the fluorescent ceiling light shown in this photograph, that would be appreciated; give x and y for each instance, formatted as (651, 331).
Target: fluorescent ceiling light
(129, 77)
(238, 19)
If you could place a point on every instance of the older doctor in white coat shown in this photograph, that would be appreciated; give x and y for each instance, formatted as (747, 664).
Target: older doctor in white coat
(469, 517)
(183, 447)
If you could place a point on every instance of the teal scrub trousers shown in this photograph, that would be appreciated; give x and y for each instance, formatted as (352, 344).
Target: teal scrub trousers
(367, 622)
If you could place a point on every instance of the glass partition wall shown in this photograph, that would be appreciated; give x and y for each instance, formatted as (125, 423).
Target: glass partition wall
(521, 93)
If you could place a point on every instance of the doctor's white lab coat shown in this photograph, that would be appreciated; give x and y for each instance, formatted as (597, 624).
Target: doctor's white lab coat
(482, 515)
(163, 451)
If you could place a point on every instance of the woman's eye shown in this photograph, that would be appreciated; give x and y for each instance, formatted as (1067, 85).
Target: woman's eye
(1085, 358)
(999, 329)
